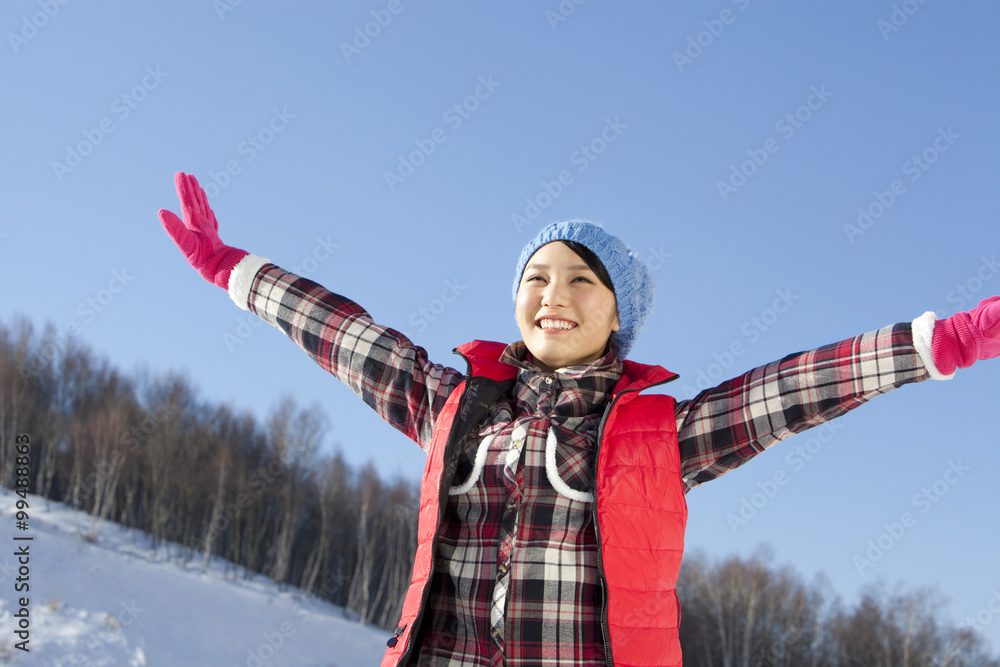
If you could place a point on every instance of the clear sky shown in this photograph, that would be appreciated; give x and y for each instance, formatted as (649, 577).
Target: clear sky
(794, 173)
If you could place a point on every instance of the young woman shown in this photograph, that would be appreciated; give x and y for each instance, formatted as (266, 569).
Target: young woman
(552, 508)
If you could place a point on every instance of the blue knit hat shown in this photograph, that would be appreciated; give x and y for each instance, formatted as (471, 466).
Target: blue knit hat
(631, 279)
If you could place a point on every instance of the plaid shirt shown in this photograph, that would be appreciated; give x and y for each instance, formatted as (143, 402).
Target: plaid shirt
(516, 579)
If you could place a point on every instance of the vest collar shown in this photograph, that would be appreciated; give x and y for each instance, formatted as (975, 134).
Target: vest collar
(484, 359)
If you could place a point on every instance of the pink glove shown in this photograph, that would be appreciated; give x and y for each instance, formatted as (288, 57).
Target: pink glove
(965, 338)
(198, 234)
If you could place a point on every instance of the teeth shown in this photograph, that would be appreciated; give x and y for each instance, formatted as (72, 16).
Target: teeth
(555, 324)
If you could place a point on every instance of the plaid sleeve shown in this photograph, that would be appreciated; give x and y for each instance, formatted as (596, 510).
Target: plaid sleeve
(722, 428)
(379, 364)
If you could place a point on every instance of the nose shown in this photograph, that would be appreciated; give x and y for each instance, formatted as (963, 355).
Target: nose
(554, 294)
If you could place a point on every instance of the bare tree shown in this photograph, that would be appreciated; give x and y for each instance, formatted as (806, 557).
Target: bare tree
(370, 524)
(400, 547)
(107, 459)
(746, 613)
(222, 462)
(295, 436)
(19, 394)
(332, 482)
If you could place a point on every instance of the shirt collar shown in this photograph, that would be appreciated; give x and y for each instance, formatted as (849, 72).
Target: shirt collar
(517, 354)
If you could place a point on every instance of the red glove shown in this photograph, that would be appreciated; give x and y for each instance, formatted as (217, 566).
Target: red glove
(965, 338)
(198, 234)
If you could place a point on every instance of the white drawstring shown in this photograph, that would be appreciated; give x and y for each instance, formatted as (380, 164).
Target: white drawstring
(477, 468)
(551, 471)
(561, 487)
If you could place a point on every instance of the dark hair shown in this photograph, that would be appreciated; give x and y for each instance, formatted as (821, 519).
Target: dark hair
(593, 263)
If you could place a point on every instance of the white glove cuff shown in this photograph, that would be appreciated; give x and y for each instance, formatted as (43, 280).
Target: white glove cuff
(923, 335)
(241, 279)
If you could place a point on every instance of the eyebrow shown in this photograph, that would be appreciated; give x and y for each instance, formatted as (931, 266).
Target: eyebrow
(574, 267)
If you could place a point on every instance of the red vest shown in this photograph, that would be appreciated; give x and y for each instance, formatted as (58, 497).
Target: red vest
(639, 508)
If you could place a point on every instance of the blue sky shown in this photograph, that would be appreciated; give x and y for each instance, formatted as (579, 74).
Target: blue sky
(794, 173)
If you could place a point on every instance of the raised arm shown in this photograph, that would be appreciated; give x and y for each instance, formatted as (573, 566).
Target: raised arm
(381, 365)
(722, 428)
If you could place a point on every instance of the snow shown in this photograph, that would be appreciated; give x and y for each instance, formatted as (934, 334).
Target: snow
(117, 601)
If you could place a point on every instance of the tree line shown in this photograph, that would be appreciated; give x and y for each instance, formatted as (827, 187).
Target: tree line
(260, 493)
(265, 496)
(745, 612)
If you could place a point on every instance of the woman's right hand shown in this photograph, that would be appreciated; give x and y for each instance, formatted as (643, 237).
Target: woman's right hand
(967, 337)
(197, 235)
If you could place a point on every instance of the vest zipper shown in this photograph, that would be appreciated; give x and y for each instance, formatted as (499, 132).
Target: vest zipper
(415, 625)
(597, 525)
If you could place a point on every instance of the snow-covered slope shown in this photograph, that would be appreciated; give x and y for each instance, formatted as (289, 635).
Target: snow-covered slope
(118, 602)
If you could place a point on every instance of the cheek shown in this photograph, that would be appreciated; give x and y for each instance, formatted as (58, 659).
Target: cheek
(522, 311)
(609, 310)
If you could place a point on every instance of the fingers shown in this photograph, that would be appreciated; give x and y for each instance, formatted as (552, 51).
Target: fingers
(175, 227)
(188, 208)
(194, 204)
(987, 316)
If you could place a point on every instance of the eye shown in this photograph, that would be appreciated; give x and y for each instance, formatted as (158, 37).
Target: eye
(584, 279)
(528, 280)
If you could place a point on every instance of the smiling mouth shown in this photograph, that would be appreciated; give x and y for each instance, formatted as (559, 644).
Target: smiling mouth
(549, 324)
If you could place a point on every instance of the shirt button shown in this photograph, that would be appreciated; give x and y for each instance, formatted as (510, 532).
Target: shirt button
(548, 380)
(495, 632)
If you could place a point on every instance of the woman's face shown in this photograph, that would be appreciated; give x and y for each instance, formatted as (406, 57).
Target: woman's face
(565, 314)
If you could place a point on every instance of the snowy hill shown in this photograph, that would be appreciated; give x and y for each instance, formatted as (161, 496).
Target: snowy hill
(118, 602)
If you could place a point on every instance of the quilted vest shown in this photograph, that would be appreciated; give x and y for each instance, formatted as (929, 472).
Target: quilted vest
(640, 509)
